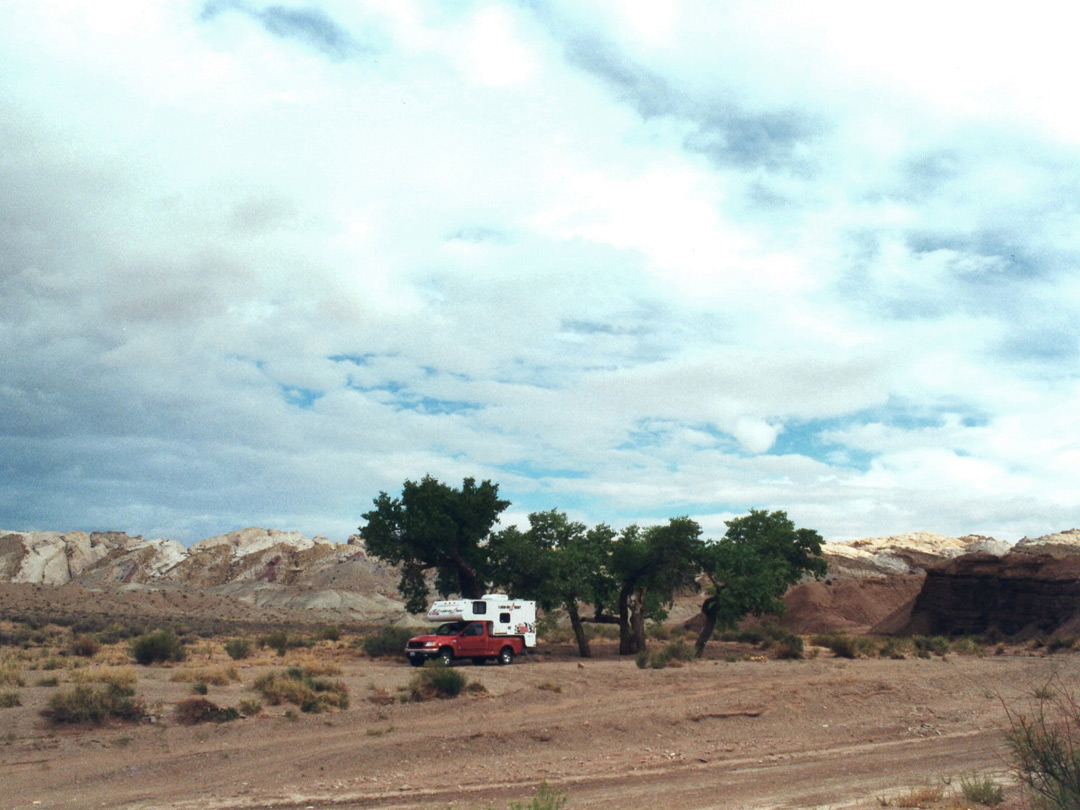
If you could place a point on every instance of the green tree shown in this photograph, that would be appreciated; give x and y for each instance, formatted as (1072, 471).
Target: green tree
(436, 528)
(557, 562)
(649, 566)
(750, 569)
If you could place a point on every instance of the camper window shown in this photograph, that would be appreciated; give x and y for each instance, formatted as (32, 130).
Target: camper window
(479, 607)
(504, 618)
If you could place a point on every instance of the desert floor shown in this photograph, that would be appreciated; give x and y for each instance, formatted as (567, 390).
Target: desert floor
(724, 732)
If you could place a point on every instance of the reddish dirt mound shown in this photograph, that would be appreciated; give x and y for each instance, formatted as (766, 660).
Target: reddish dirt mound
(849, 605)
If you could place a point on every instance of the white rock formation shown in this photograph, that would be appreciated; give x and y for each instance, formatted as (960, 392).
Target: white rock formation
(1059, 544)
(253, 540)
(903, 553)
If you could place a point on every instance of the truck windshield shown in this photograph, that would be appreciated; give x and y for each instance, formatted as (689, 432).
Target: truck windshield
(449, 629)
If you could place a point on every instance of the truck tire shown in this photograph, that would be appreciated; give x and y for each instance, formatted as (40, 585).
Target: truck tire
(506, 656)
(416, 660)
(446, 655)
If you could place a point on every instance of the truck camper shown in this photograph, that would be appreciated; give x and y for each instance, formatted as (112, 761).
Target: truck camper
(495, 626)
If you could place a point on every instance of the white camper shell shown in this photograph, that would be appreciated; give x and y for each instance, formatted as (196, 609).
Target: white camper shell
(508, 617)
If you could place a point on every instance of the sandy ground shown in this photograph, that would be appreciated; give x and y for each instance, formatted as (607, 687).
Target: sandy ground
(817, 733)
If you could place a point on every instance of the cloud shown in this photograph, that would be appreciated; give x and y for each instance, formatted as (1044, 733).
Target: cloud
(260, 261)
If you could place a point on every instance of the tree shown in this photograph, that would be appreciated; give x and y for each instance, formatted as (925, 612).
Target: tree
(760, 556)
(435, 527)
(650, 565)
(557, 562)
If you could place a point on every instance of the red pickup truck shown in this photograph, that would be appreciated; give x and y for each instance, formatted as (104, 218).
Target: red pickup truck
(464, 640)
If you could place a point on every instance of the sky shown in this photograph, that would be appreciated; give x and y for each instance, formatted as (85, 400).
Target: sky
(630, 260)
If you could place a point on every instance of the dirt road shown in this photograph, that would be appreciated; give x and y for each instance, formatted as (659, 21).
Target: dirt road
(752, 735)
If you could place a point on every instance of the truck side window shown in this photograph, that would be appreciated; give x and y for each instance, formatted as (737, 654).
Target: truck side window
(479, 608)
(473, 630)
(504, 618)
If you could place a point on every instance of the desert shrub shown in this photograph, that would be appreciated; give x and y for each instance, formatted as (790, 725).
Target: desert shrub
(85, 646)
(982, 790)
(277, 640)
(892, 648)
(309, 667)
(922, 797)
(161, 645)
(1060, 643)
(330, 633)
(116, 632)
(790, 648)
(1045, 746)
(200, 688)
(549, 686)
(311, 694)
(123, 679)
(387, 641)
(51, 662)
(841, 645)
(937, 645)
(238, 648)
(250, 707)
(658, 631)
(547, 798)
(679, 650)
(215, 676)
(435, 680)
(967, 646)
(642, 659)
(83, 703)
(50, 680)
(748, 635)
(195, 710)
(601, 630)
(9, 700)
(9, 676)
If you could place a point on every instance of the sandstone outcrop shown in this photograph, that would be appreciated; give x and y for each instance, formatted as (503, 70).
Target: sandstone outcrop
(1059, 544)
(902, 554)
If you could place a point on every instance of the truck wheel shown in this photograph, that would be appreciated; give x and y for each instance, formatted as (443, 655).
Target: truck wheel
(446, 655)
(506, 656)
(416, 661)
(479, 661)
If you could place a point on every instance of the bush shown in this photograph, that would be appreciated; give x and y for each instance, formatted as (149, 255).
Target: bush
(388, 641)
(982, 790)
(938, 645)
(9, 677)
(330, 633)
(238, 648)
(215, 676)
(123, 679)
(436, 680)
(679, 650)
(1045, 748)
(296, 686)
(161, 645)
(249, 707)
(9, 700)
(87, 704)
(547, 798)
(85, 646)
(195, 710)
(790, 648)
(842, 646)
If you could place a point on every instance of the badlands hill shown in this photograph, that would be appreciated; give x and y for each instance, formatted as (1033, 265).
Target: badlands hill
(265, 575)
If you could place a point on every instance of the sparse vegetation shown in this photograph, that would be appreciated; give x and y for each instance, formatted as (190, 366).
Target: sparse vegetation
(1045, 747)
(546, 798)
(83, 703)
(214, 676)
(238, 648)
(982, 790)
(120, 678)
(85, 646)
(387, 642)
(9, 700)
(299, 687)
(159, 646)
(435, 680)
(200, 710)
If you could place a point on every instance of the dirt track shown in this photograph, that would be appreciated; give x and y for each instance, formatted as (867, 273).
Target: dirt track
(798, 734)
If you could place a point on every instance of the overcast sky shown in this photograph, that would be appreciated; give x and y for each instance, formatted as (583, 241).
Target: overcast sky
(631, 260)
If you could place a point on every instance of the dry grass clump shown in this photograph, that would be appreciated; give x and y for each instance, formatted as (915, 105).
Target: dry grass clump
(9, 675)
(83, 703)
(214, 676)
(122, 678)
(312, 666)
(299, 687)
(435, 680)
(196, 710)
(9, 700)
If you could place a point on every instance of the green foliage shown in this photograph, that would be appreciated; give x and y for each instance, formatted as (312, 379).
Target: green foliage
(196, 710)
(435, 680)
(790, 648)
(83, 703)
(436, 528)
(238, 648)
(750, 569)
(200, 688)
(9, 700)
(330, 633)
(679, 650)
(937, 645)
(842, 646)
(161, 645)
(1045, 747)
(388, 641)
(982, 790)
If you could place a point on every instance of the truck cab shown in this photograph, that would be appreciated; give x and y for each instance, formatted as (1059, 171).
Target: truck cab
(495, 627)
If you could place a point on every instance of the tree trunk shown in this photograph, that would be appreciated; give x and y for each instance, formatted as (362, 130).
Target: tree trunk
(637, 622)
(627, 642)
(579, 630)
(708, 610)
